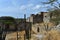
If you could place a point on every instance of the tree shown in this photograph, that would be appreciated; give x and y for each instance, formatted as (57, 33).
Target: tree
(7, 20)
(55, 11)
(53, 3)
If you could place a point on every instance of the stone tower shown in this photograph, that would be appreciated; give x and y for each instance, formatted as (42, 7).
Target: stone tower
(30, 19)
(46, 17)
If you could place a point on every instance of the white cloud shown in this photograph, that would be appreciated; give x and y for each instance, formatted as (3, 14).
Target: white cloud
(30, 5)
(31, 8)
(23, 7)
(36, 7)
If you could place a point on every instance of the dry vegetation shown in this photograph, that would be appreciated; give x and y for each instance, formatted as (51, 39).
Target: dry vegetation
(13, 36)
(54, 35)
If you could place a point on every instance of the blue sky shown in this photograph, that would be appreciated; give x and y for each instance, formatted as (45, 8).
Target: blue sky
(17, 8)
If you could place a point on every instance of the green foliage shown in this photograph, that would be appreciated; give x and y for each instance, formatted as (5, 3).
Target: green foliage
(56, 14)
(7, 19)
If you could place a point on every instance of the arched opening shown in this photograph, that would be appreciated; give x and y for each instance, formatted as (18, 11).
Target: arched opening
(38, 29)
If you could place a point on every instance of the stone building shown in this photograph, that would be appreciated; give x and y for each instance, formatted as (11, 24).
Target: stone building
(40, 25)
(38, 18)
(35, 25)
(46, 17)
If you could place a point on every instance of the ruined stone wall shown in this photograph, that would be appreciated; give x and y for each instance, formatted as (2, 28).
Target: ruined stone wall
(38, 18)
(46, 17)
